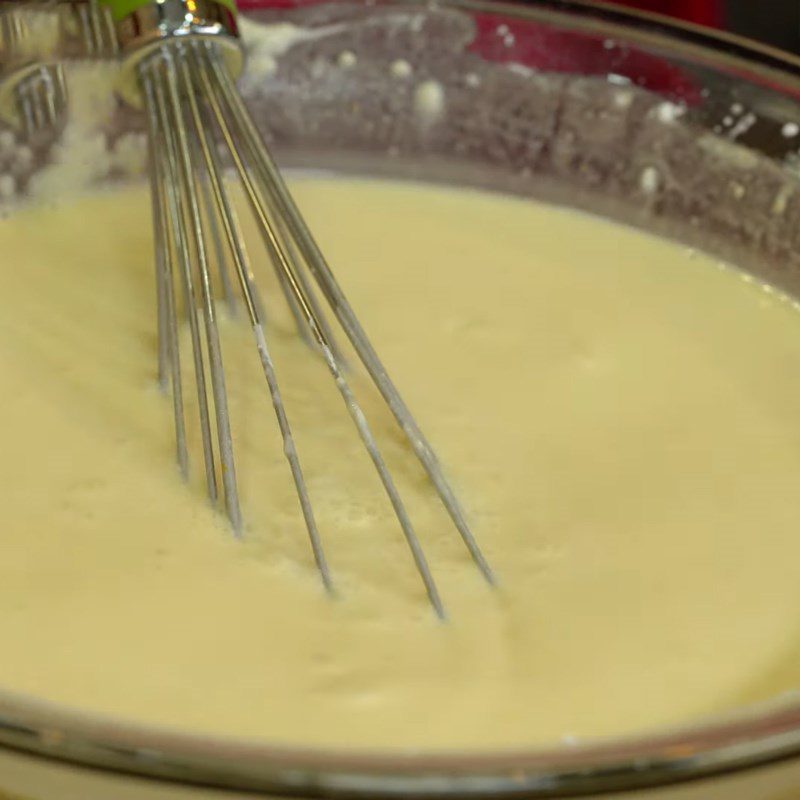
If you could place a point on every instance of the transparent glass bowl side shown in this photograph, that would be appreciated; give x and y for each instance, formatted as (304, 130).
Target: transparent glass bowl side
(555, 101)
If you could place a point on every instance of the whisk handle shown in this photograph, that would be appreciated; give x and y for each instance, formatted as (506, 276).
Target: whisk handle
(120, 9)
(147, 26)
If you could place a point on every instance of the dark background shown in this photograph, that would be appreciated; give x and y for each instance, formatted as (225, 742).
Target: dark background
(776, 22)
(773, 21)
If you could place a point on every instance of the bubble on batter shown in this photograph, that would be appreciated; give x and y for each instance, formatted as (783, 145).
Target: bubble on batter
(472, 79)
(737, 190)
(781, 199)
(401, 68)
(650, 180)
(668, 112)
(347, 59)
(623, 100)
(618, 80)
(429, 101)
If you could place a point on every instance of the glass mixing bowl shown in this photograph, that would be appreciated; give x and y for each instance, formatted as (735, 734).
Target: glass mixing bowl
(665, 127)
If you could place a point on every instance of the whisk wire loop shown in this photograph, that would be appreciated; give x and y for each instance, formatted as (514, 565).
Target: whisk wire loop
(187, 172)
(253, 304)
(215, 93)
(156, 71)
(192, 107)
(169, 360)
(274, 188)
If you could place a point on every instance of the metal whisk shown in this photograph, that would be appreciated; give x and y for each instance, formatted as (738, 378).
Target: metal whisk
(33, 92)
(36, 37)
(181, 56)
(87, 29)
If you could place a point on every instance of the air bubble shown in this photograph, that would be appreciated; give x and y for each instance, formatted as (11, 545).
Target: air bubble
(650, 180)
(623, 99)
(669, 112)
(347, 59)
(429, 100)
(618, 80)
(401, 68)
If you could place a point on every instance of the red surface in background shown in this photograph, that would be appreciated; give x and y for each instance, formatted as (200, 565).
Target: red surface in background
(701, 12)
(545, 48)
(552, 50)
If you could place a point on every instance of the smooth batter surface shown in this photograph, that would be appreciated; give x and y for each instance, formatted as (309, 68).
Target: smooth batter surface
(621, 417)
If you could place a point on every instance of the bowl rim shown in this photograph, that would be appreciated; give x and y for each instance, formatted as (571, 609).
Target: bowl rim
(754, 737)
(654, 759)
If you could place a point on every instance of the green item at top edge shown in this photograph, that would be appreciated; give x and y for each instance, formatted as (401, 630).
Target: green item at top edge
(121, 8)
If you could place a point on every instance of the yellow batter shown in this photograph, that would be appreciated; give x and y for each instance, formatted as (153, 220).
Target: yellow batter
(622, 419)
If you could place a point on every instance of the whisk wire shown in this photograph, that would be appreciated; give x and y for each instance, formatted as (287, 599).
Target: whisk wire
(274, 188)
(206, 60)
(192, 108)
(26, 106)
(216, 238)
(186, 174)
(155, 72)
(278, 253)
(169, 360)
(253, 305)
(159, 215)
